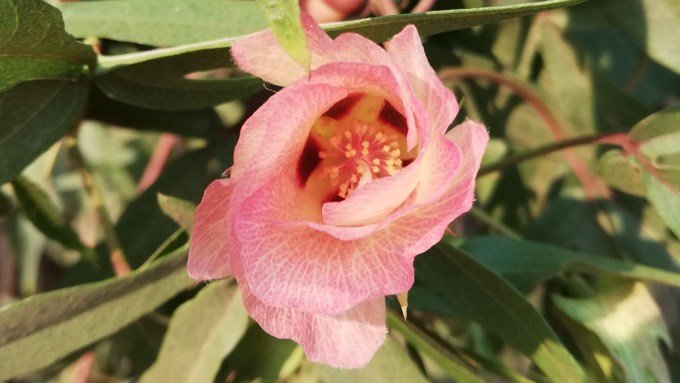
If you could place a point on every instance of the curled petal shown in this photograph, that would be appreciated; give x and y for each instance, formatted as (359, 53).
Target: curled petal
(262, 55)
(408, 55)
(287, 263)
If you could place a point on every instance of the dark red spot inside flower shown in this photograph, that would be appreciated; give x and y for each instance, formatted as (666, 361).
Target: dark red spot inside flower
(333, 197)
(405, 163)
(343, 107)
(389, 115)
(309, 159)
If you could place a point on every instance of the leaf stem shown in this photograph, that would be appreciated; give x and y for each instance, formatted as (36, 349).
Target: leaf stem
(116, 255)
(500, 227)
(420, 340)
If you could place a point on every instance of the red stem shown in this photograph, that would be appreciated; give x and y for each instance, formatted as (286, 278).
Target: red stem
(592, 186)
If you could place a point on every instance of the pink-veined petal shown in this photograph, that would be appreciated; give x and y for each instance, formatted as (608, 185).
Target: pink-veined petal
(346, 340)
(408, 54)
(208, 254)
(287, 263)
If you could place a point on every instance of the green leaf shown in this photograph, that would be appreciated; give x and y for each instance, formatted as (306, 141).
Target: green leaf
(72, 318)
(618, 172)
(180, 210)
(628, 321)
(202, 332)
(478, 294)
(431, 23)
(45, 215)
(34, 45)
(525, 264)
(665, 197)
(259, 355)
(390, 364)
(283, 17)
(203, 123)
(653, 25)
(162, 22)
(34, 116)
(379, 29)
(658, 137)
(162, 85)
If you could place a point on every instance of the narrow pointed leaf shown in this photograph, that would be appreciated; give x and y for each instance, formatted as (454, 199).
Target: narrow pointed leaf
(201, 333)
(72, 318)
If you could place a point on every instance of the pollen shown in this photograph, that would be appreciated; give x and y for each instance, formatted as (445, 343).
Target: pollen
(360, 153)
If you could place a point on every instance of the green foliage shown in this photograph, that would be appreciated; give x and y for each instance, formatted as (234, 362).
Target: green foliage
(567, 269)
(201, 333)
(476, 293)
(625, 317)
(181, 211)
(73, 318)
(162, 22)
(283, 17)
(41, 211)
(34, 116)
(651, 24)
(35, 45)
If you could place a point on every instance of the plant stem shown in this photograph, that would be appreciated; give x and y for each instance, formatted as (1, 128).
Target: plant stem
(541, 151)
(116, 255)
(486, 219)
(421, 341)
(592, 186)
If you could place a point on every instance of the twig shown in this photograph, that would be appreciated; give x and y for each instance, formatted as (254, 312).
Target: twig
(116, 255)
(592, 186)
(166, 142)
(543, 150)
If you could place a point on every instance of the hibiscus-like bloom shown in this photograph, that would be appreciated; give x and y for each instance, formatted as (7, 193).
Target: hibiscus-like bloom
(339, 180)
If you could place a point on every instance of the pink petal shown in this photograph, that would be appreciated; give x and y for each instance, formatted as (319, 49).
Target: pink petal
(208, 255)
(273, 137)
(346, 340)
(261, 54)
(374, 201)
(287, 263)
(408, 54)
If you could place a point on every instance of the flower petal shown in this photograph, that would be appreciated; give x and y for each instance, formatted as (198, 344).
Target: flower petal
(374, 201)
(408, 54)
(208, 253)
(262, 55)
(273, 137)
(347, 340)
(287, 263)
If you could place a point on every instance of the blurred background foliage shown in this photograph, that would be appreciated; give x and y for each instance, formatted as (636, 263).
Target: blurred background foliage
(565, 271)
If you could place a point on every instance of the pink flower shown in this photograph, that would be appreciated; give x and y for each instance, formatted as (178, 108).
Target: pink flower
(339, 180)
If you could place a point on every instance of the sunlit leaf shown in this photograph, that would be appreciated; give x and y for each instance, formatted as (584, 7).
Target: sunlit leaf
(526, 263)
(628, 321)
(652, 24)
(162, 22)
(72, 318)
(201, 333)
(180, 210)
(283, 17)
(476, 293)
(34, 45)
(45, 215)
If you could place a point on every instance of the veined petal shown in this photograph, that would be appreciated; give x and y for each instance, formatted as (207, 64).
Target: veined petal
(408, 55)
(346, 340)
(209, 257)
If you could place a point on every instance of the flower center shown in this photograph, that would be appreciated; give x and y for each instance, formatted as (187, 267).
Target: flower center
(357, 156)
(361, 138)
